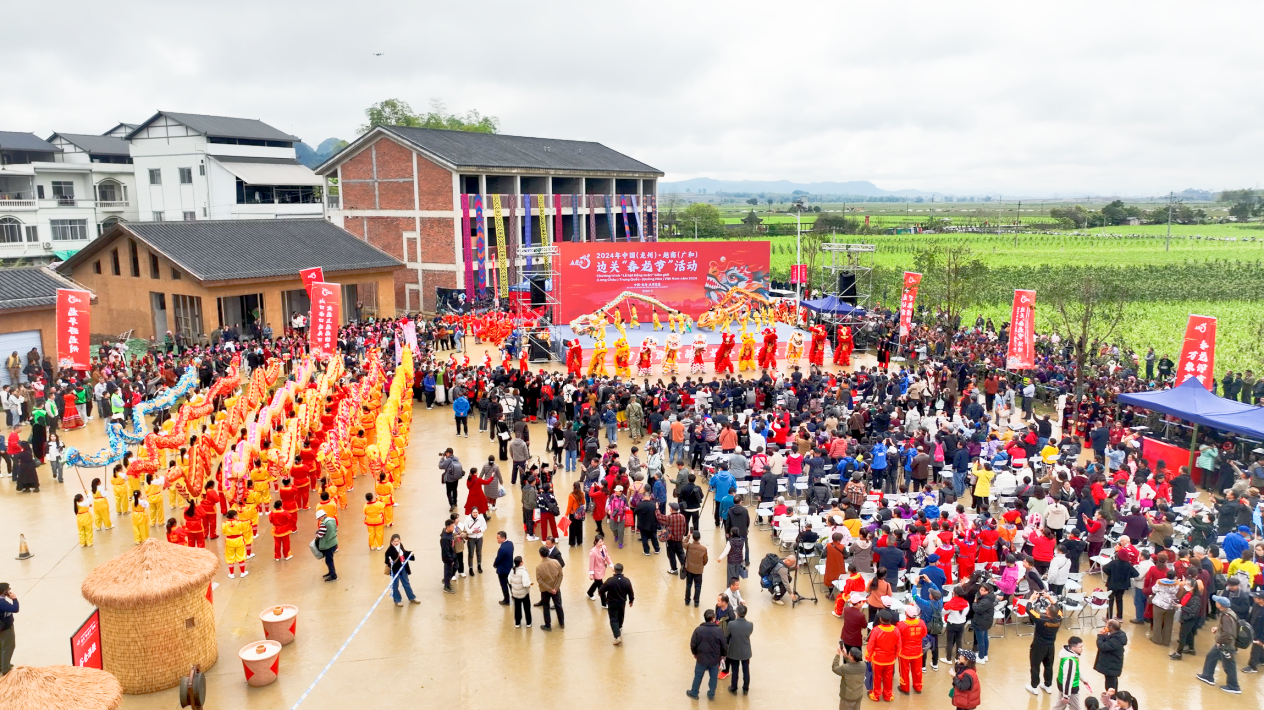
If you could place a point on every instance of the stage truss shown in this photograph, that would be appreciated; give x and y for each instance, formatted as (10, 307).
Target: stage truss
(848, 259)
(541, 263)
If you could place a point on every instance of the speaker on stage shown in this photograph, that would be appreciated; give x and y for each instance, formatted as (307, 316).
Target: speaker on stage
(538, 350)
(539, 291)
(847, 288)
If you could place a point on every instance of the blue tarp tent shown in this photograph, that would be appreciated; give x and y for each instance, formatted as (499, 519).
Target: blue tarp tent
(1193, 403)
(830, 305)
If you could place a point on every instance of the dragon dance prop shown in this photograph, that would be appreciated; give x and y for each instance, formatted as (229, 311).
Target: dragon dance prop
(736, 304)
(592, 323)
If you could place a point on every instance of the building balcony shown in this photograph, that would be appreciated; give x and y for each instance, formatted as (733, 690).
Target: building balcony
(14, 205)
(333, 201)
(113, 205)
(62, 202)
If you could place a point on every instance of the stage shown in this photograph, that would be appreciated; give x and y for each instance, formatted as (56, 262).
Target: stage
(685, 356)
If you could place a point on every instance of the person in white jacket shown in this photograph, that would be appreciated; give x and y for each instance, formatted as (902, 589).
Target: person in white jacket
(1059, 570)
(520, 590)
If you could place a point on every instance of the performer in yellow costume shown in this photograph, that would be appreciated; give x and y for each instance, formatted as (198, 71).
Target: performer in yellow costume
(385, 492)
(597, 366)
(658, 325)
(746, 357)
(83, 520)
(153, 493)
(374, 518)
(122, 491)
(100, 507)
(235, 532)
(140, 518)
(250, 516)
(633, 322)
(622, 358)
(794, 348)
(669, 355)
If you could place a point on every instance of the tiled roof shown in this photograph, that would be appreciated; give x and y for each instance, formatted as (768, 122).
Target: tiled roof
(99, 145)
(223, 126)
(30, 286)
(14, 140)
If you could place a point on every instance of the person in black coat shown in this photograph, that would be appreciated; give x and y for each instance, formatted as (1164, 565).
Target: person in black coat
(504, 564)
(24, 473)
(397, 564)
(1110, 653)
(1119, 574)
(708, 645)
(646, 514)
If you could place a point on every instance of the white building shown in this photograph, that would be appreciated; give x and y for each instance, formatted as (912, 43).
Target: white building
(56, 195)
(195, 167)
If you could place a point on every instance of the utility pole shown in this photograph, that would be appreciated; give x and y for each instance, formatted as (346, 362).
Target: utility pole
(1017, 222)
(1167, 246)
(798, 248)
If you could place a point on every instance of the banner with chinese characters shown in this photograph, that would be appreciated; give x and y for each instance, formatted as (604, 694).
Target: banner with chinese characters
(1022, 337)
(690, 277)
(73, 327)
(1198, 354)
(798, 273)
(907, 299)
(311, 276)
(325, 318)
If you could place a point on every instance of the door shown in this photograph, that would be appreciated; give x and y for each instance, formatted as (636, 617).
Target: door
(158, 305)
(21, 343)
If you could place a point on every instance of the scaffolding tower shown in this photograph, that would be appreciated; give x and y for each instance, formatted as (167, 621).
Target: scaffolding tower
(848, 259)
(540, 271)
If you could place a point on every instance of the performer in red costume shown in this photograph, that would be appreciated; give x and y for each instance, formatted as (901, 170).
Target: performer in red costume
(722, 361)
(574, 358)
(816, 351)
(842, 352)
(768, 352)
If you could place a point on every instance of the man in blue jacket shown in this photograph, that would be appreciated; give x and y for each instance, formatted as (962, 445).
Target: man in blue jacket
(504, 564)
(461, 410)
(721, 483)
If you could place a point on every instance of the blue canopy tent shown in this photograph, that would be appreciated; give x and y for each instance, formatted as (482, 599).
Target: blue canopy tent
(1193, 403)
(830, 305)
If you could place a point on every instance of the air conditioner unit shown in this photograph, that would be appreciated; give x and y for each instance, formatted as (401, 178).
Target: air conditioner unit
(46, 245)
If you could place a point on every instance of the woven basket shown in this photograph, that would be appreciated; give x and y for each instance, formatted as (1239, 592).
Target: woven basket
(149, 649)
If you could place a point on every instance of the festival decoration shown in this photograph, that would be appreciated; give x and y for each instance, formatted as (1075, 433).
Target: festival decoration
(907, 298)
(1021, 353)
(73, 312)
(1198, 352)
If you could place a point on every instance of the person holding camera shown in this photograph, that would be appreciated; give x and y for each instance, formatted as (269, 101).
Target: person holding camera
(849, 666)
(8, 640)
(1046, 619)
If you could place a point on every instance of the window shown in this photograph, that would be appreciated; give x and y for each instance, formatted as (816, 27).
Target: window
(64, 193)
(39, 191)
(175, 273)
(114, 262)
(32, 233)
(186, 176)
(155, 176)
(190, 216)
(67, 230)
(135, 256)
(157, 216)
(188, 314)
(202, 169)
(107, 223)
(96, 266)
(10, 230)
(155, 271)
(108, 191)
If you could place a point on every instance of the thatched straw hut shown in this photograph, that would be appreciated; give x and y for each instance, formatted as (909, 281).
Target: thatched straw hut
(60, 688)
(155, 619)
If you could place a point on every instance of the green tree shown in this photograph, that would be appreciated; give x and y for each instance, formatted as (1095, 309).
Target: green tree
(702, 219)
(834, 223)
(769, 201)
(395, 112)
(1246, 203)
(1087, 310)
(753, 201)
(1115, 212)
(951, 273)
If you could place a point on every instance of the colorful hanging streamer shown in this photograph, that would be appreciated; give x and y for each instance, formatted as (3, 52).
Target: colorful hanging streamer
(502, 260)
(466, 255)
(609, 215)
(623, 207)
(480, 245)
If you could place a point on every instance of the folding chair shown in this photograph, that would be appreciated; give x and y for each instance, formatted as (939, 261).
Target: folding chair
(998, 619)
(1073, 607)
(786, 535)
(1097, 601)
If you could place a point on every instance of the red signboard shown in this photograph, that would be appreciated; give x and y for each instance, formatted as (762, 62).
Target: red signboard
(311, 276)
(798, 273)
(688, 276)
(1154, 451)
(326, 316)
(85, 645)
(1198, 354)
(1022, 336)
(907, 299)
(73, 329)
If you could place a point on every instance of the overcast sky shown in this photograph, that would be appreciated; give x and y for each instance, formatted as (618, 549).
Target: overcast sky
(968, 97)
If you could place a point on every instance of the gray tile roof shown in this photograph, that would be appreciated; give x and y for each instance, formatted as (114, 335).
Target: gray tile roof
(13, 140)
(486, 150)
(223, 126)
(99, 145)
(29, 286)
(222, 250)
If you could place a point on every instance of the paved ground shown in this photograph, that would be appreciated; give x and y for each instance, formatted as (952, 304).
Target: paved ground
(462, 650)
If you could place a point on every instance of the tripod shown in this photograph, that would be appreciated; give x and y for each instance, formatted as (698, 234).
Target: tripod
(804, 555)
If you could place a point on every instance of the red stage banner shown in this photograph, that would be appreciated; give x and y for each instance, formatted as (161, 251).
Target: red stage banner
(1154, 451)
(907, 299)
(85, 645)
(688, 276)
(1198, 354)
(311, 276)
(798, 273)
(325, 318)
(73, 328)
(1022, 337)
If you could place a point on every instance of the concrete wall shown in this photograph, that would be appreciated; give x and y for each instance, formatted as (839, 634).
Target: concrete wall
(43, 319)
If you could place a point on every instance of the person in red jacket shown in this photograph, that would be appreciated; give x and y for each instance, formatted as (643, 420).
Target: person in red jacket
(209, 507)
(882, 652)
(284, 523)
(288, 497)
(912, 630)
(966, 692)
(1042, 546)
(967, 551)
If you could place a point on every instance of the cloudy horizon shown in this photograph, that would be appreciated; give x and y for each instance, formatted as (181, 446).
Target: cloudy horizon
(969, 98)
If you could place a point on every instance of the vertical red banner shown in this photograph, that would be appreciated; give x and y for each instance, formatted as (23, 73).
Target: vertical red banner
(1022, 337)
(907, 299)
(798, 273)
(311, 276)
(1198, 354)
(73, 329)
(326, 316)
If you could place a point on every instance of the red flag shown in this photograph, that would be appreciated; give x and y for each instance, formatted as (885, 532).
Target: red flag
(798, 273)
(311, 276)
(325, 318)
(1022, 337)
(911, 282)
(73, 349)
(1198, 354)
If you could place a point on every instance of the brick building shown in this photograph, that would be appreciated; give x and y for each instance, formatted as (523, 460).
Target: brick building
(412, 191)
(198, 277)
(28, 313)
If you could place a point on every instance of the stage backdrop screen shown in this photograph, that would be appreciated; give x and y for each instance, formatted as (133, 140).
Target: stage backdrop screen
(687, 276)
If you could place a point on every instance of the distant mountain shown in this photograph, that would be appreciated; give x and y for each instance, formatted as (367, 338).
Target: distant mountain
(313, 157)
(860, 188)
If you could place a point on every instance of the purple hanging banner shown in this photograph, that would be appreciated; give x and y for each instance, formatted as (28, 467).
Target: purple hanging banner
(480, 245)
(610, 214)
(623, 207)
(640, 218)
(465, 248)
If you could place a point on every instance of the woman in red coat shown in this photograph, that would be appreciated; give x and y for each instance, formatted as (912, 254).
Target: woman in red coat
(475, 498)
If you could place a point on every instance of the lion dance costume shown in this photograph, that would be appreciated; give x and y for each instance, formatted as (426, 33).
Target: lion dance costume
(768, 352)
(597, 366)
(746, 357)
(669, 356)
(622, 358)
(816, 351)
(722, 361)
(794, 348)
(842, 352)
(699, 363)
(646, 357)
(574, 358)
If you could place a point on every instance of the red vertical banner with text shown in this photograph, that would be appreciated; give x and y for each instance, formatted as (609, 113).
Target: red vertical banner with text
(1022, 337)
(798, 273)
(907, 299)
(1198, 354)
(85, 645)
(311, 276)
(325, 318)
(73, 329)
